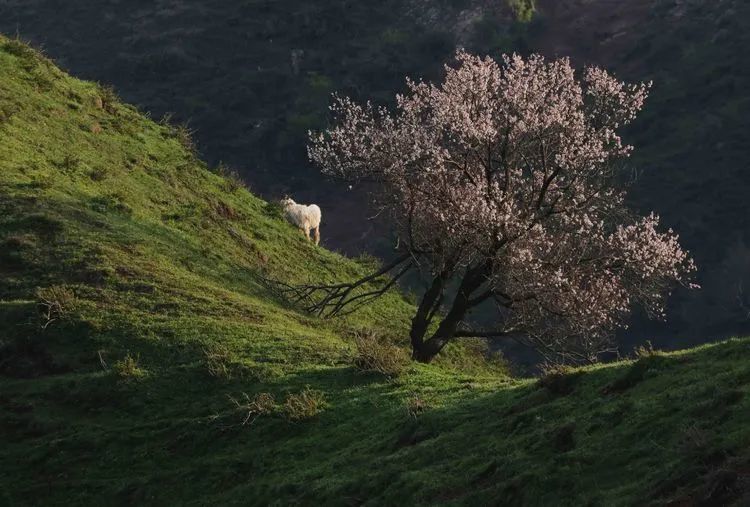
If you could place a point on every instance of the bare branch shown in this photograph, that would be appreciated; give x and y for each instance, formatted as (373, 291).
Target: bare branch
(328, 300)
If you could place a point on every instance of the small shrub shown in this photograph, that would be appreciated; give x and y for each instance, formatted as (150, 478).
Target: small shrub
(184, 136)
(234, 182)
(109, 98)
(303, 406)
(19, 48)
(645, 350)
(127, 369)
(375, 354)
(415, 406)
(166, 121)
(55, 303)
(262, 404)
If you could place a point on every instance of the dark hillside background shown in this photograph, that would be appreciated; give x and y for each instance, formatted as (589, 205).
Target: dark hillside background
(252, 76)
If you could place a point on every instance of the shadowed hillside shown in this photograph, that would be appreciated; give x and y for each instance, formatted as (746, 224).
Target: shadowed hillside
(144, 359)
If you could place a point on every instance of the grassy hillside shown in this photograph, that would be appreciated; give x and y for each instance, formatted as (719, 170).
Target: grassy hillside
(134, 319)
(251, 77)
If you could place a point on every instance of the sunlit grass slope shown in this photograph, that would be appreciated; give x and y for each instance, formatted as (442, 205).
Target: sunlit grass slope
(134, 319)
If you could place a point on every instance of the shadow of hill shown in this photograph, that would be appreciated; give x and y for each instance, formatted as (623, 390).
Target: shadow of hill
(665, 427)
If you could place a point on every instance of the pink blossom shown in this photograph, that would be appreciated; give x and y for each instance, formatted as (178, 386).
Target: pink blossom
(507, 169)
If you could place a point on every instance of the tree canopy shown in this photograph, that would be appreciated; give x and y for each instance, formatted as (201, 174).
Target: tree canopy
(503, 180)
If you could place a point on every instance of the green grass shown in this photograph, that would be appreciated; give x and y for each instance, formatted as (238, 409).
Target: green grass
(524, 10)
(147, 270)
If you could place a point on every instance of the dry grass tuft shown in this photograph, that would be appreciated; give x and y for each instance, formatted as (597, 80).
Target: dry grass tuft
(55, 303)
(303, 406)
(375, 354)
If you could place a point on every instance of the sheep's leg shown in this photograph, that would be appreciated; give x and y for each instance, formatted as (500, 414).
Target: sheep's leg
(306, 231)
(316, 235)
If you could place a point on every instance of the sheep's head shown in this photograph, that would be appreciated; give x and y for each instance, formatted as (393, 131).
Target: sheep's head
(286, 202)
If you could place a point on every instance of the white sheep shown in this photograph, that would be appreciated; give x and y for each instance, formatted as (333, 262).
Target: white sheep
(303, 216)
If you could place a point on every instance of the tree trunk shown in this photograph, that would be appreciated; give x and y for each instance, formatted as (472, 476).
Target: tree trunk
(444, 334)
(425, 351)
(426, 310)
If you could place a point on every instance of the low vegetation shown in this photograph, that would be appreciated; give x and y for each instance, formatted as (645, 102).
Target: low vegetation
(262, 404)
(55, 303)
(377, 354)
(304, 405)
(127, 369)
(117, 402)
(524, 10)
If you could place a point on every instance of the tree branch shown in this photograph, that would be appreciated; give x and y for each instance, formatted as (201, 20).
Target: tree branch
(335, 297)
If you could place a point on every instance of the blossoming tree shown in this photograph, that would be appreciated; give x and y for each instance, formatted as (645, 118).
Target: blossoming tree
(502, 182)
